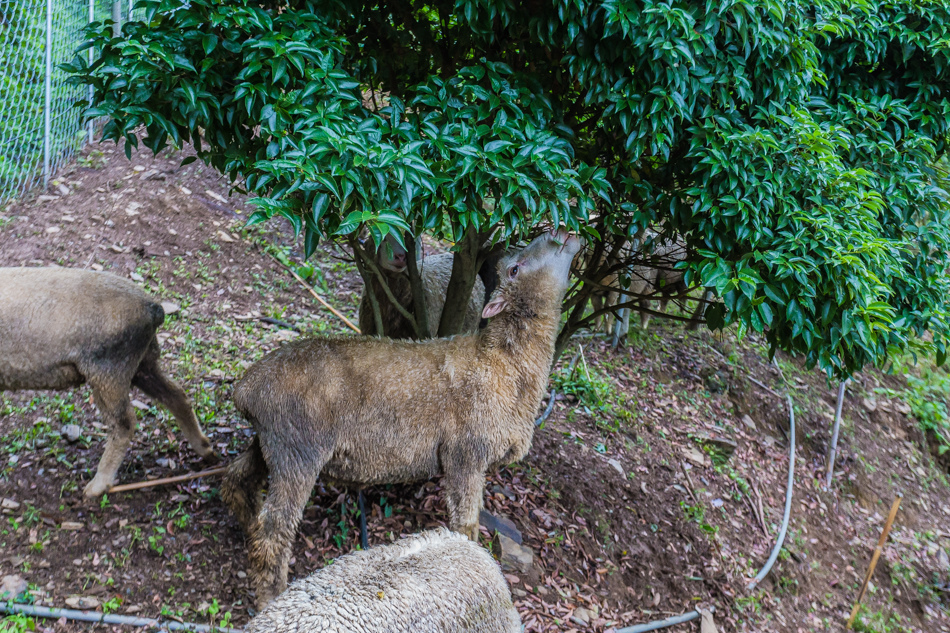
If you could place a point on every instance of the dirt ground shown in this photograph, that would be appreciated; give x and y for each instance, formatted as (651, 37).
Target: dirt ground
(662, 495)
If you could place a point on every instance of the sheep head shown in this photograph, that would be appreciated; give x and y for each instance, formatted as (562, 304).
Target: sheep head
(533, 280)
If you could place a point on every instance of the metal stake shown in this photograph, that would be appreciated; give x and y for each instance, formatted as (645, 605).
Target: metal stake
(833, 444)
(116, 18)
(47, 118)
(92, 18)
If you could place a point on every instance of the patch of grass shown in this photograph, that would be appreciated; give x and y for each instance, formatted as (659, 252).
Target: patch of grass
(928, 395)
(879, 622)
(594, 391)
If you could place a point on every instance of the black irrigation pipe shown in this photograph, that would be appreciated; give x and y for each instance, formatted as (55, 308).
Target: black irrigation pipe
(109, 618)
(662, 624)
(788, 499)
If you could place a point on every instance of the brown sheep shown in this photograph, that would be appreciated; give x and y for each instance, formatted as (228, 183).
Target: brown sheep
(433, 582)
(436, 271)
(60, 328)
(463, 405)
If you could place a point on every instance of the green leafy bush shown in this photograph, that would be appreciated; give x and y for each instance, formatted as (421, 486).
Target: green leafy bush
(792, 146)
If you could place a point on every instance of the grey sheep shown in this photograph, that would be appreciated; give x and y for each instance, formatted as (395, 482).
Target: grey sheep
(436, 271)
(433, 582)
(60, 328)
(458, 407)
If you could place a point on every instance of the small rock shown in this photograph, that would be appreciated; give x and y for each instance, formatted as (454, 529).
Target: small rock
(241, 575)
(16, 561)
(138, 168)
(133, 609)
(46, 198)
(170, 307)
(109, 223)
(717, 503)
(185, 190)
(749, 422)
(500, 525)
(9, 504)
(83, 602)
(519, 593)
(138, 404)
(97, 267)
(12, 586)
(136, 277)
(115, 248)
(870, 404)
(515, 556)
(172, 232)
(224, 237)
(617, 466)
(71, 525)
(63, 189)
(943, 561)
(902, 407)
(68, 218)
(71, 432)
(53, 229)
(695, 455)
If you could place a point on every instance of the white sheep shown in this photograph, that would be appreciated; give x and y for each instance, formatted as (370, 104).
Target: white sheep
(433, 582)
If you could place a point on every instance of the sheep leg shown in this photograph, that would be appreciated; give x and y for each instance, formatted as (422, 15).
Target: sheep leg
(242, 485)
(116, 408)
(152, 380)
(644, 316)
(463, 496)
(276, 527)
(361, 502)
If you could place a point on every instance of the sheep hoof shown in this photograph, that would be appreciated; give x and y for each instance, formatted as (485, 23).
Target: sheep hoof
(96, 488)
(210, 457)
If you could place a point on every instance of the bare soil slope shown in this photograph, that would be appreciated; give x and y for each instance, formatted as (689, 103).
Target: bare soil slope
(656, 485)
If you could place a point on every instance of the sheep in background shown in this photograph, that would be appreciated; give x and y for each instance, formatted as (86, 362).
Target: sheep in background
(433, 582)
(60, 328)
(436, 271)
(366, 411)
(654, 276)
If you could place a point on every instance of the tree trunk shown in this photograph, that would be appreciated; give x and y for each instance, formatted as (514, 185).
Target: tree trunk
(419, 307)
(464, 269)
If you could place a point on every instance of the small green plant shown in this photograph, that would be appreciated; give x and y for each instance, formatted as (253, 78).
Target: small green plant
(155, 540)
(596, 393)
(879, 622)
(111, 605)
(17, 624)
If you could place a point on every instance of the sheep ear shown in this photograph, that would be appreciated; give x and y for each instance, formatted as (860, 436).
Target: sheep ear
(494, 307)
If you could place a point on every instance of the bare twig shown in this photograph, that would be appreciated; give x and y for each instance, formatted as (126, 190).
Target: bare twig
(323, 302)
(689, 483)
(761, 514)
(213, 472)
(278, 323)
(769, 389)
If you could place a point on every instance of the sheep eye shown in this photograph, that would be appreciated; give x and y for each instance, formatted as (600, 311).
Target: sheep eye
(513, 271)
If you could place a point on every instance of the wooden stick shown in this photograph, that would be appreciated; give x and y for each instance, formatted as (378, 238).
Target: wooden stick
(168, 480)
(323, 301)
(875, 556)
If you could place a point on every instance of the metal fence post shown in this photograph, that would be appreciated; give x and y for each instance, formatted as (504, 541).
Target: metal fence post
(92, 18)
(116, 18)
(47, 116)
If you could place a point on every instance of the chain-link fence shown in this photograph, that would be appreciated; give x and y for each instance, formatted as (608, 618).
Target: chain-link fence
(39, 127)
